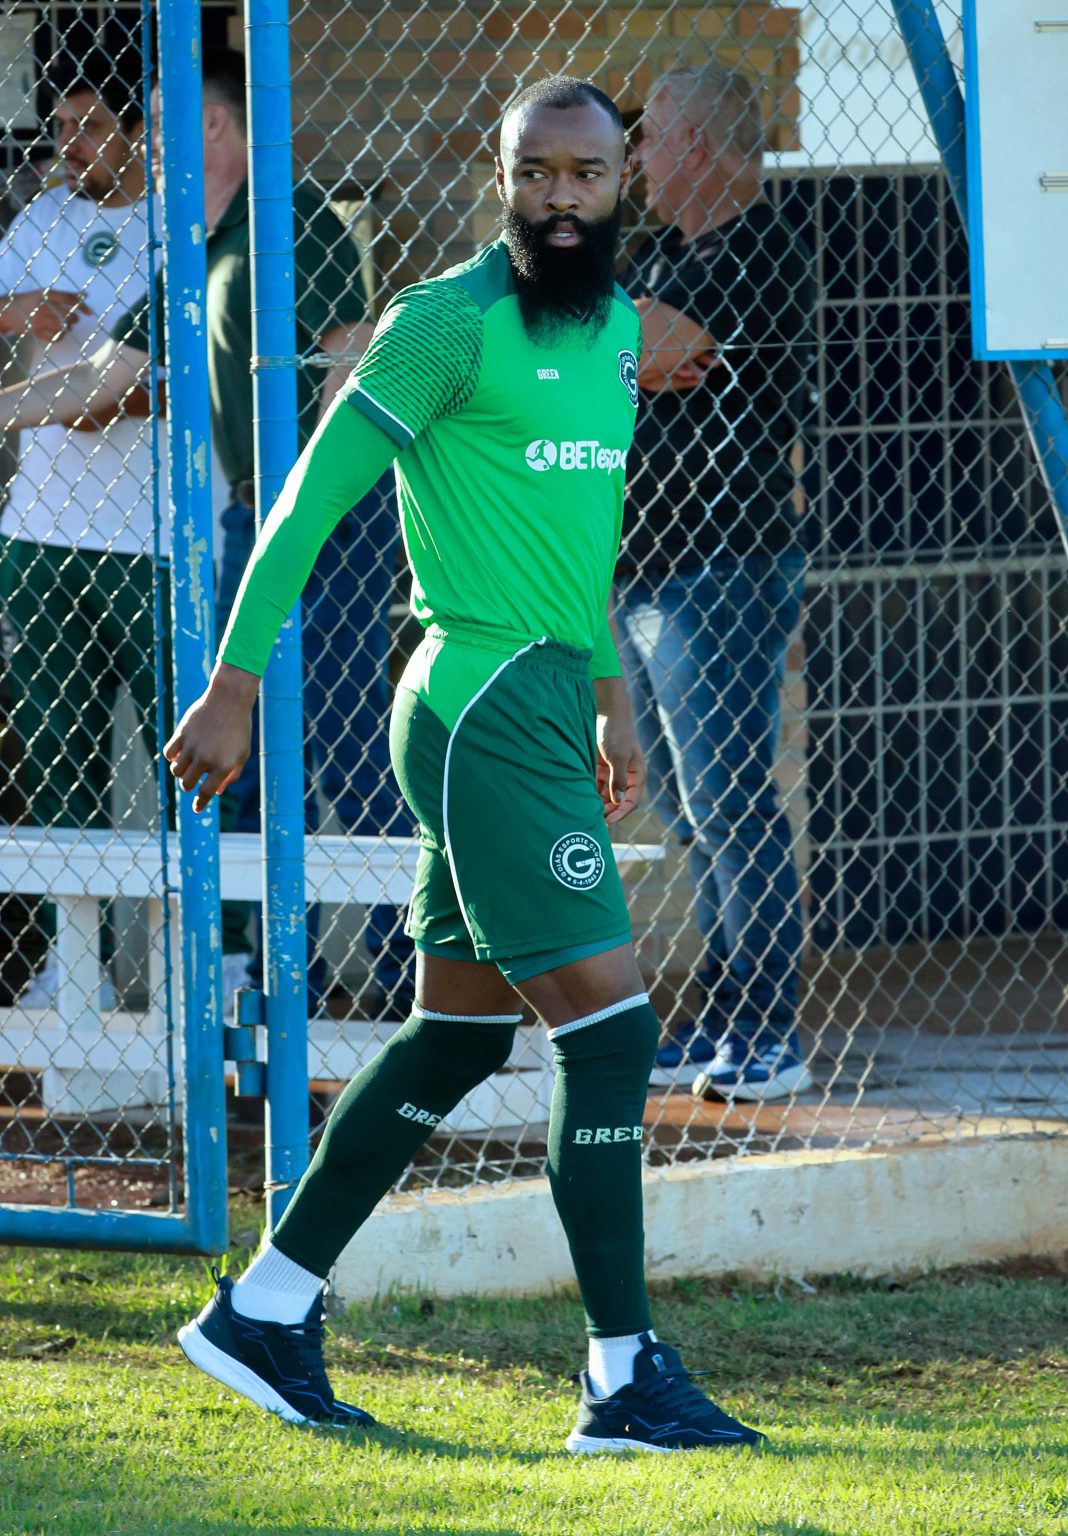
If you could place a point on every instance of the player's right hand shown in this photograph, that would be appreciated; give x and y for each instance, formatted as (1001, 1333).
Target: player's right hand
(214, 736)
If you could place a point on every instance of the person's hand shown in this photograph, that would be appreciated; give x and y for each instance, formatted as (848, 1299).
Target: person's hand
(676, 353)
(214, 736)
(43, 312)
(620, 760)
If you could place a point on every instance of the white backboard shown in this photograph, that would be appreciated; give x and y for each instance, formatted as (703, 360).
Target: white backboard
(1016, 106)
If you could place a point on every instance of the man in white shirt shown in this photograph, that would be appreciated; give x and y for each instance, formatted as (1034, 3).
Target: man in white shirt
(77, 532)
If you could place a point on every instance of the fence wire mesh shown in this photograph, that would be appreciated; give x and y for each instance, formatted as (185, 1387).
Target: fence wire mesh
(841, 600)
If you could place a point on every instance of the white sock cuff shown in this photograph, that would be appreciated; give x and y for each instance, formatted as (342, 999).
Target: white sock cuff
(466, 1018)
(271, 1270)
(631, 1341)
(612, 1360)
(597, 1018)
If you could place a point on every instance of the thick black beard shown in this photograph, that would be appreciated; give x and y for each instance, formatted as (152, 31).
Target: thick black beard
(563, 292)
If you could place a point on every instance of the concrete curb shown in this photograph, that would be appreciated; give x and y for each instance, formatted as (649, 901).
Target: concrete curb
(867, 1212)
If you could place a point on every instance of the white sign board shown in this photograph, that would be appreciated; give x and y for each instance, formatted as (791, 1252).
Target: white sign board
(18, 69)
(1016, 105)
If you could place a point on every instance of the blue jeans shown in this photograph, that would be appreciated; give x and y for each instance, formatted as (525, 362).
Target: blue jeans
(345, 640)
(705, 655)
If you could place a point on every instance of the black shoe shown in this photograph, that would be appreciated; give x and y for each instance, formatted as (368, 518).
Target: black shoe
(275, 1366)
(661, 1410)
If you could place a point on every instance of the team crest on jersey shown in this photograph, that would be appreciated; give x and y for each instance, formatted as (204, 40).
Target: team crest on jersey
(628, 375)
(577, 861)
(98, 249)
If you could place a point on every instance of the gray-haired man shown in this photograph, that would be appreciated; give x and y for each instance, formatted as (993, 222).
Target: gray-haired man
(711, 569)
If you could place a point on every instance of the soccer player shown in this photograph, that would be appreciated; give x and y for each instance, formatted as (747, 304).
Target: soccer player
(506, 391)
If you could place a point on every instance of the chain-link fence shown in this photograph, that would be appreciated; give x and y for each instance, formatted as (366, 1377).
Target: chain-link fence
(840, 602)
(87, 1063)
(885, 873)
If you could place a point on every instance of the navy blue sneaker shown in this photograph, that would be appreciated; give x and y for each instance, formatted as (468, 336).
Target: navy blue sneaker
(277, 1367)
(754, 1071)
(679, 1059)
(661, 1410)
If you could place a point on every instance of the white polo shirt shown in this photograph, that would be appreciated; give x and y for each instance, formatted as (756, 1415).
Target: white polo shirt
(92, 490)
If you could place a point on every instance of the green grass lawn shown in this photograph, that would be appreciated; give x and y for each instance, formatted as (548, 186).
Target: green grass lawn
(939, 1408)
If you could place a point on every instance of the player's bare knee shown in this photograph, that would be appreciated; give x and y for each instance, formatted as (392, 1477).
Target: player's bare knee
(584, 987)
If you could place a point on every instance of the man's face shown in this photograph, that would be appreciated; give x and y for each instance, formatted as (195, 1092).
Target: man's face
(562, 168)
(95, 149)
(214, 120)
(561, 175)
(664, 145)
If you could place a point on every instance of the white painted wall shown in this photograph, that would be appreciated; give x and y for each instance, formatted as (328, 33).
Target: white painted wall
(867, 1213)
(860, 102)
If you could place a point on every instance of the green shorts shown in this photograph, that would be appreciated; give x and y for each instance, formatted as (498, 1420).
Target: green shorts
(495, 752)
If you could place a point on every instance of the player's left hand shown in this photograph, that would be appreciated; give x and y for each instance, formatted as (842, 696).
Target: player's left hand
(620, 766)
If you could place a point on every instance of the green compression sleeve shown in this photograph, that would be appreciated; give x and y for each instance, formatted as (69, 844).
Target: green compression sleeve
(346, 455)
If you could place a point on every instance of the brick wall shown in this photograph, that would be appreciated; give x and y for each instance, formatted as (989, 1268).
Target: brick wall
(405, 100)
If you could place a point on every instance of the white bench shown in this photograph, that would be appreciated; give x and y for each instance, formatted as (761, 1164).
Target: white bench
(98, 1062)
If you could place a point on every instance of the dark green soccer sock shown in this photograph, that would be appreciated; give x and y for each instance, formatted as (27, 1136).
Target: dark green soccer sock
(379, 1123)
(595, 1158)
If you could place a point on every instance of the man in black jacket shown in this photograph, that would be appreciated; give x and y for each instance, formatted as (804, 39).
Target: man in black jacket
(711, 571)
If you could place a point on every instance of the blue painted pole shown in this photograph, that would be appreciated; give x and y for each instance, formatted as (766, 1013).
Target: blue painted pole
(1040, 402)
(281, 711)
(192, 585)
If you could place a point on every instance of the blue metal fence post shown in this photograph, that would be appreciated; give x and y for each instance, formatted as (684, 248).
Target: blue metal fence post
(281, 712)
(192, 585)
(1043, 413)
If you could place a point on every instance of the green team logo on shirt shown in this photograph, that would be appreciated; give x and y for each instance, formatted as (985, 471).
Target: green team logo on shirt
(628, 375)
(577, 861)
(98, 249)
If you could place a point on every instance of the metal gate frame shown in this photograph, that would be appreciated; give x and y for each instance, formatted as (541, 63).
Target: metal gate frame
(1040, 402)
(193, 876)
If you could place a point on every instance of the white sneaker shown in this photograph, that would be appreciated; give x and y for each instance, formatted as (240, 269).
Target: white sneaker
(235, 975)
(43, 987)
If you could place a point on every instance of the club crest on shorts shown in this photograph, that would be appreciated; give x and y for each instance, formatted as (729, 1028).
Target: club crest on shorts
(628, 375)
(577, 861)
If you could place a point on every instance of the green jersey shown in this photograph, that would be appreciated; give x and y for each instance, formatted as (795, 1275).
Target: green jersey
(510, 463)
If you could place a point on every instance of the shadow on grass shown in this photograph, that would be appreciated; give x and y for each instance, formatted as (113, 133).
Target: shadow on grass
(791, 1528)
(395, 1437)
(89, 1495)
(824, 1338)
(920, 1455)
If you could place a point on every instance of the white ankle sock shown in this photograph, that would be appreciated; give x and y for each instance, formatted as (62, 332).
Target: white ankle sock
(275, 1290)
(612, 1362)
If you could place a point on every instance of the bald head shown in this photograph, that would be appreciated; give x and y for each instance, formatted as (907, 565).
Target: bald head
(558, 93)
